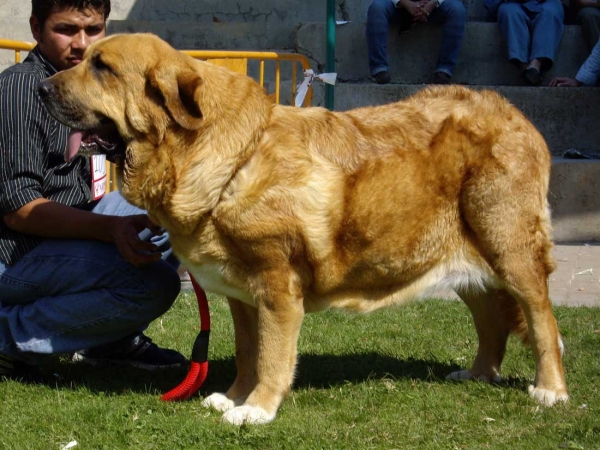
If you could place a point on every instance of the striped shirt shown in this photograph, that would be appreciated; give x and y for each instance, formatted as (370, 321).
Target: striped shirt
(32, 146)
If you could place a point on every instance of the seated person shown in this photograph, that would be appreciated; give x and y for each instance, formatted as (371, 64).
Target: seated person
(75, 276)
(451, 14)
(532, 30)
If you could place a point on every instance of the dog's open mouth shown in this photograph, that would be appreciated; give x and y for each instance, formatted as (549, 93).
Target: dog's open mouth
(105, 141)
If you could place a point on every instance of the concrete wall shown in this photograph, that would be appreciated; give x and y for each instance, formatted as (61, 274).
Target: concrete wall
(268, 11)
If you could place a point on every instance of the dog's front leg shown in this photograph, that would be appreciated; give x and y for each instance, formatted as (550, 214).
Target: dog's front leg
(245, 320)
(279, 316)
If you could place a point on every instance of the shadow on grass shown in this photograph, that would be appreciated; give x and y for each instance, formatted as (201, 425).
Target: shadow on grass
(316, 371)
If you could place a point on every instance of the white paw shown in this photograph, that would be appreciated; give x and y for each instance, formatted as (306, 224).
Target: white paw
(467, 375)
(547, 397)
(247, 415)
(460, 375)
(219, 402)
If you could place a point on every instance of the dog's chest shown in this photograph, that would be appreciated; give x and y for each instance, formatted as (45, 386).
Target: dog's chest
(209, 277)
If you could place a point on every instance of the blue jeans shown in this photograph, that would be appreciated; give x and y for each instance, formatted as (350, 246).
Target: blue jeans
(532, 30)
(451, 14)
(69, 295)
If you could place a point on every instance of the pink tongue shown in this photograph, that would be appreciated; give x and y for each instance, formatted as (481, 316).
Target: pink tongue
(73, 144)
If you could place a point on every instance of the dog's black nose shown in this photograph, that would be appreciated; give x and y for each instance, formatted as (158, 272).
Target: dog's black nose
(45, 88)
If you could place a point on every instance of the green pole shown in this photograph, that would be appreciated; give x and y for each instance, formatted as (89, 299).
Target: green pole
(330, 57)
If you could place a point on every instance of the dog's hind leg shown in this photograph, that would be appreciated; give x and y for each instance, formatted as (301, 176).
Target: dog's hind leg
(496, 314)
(245, 320)
(512, 234)
(526, 278)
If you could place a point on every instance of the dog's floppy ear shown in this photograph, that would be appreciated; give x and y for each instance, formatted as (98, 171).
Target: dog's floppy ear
(179, 89)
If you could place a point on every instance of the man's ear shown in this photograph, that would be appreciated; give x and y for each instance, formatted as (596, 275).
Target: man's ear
(36, 28)
(179, 89)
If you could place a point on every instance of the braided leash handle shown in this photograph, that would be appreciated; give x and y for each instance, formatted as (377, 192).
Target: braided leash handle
(199, 364)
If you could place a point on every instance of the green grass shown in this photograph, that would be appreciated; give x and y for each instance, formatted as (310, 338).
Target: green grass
(364, 382)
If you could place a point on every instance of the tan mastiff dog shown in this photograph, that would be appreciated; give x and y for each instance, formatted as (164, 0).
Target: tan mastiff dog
(287, 211)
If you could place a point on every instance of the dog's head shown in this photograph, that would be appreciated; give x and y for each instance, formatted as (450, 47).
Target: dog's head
(127, 88)
(149, 108)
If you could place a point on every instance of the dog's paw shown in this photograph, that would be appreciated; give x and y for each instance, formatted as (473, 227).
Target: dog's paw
(219, 402)
(247, 415)
(547, 397)
(465, 374)
(460, 375)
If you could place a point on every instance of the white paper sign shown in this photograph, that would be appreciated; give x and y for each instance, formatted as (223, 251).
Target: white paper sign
(309, 77)
(98, 169)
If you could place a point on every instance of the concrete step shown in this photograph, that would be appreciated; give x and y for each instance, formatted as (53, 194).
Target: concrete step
(262, 11)
(214, 35)
(567, 117)
(482, 61)
(574, 199)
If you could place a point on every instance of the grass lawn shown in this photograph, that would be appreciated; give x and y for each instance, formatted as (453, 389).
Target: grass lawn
(364, 382)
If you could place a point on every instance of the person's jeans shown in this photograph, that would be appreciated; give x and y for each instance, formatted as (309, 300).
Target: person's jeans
(532, 30)
(451, 15)
(69, 295)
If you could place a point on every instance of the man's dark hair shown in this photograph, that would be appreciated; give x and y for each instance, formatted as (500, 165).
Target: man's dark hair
(41, 9)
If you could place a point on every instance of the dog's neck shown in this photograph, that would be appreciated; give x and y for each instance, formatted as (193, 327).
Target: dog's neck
(200, 165)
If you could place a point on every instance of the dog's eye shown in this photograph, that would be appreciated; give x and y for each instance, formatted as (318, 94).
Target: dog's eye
(101, 66)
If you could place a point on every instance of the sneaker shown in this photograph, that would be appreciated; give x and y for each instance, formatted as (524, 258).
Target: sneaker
(441, 78)
(14, 369)
(139, 352)
(382, 78)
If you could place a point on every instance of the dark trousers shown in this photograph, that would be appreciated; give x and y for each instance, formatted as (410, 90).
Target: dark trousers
(589, 19)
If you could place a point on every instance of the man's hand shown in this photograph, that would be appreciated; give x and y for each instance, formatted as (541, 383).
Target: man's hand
(564, 82)
(45, 218)
(419, 10)
(124, 233)
(412, 8)
(425, 7)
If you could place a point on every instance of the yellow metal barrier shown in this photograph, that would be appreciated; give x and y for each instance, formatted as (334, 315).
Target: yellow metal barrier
(16, 46)
(238, 62)
(233, 60)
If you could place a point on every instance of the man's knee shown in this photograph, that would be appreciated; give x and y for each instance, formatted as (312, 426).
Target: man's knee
(554, 10)
(455, 11)
(161, 285)
(379, 9)
(508, 12)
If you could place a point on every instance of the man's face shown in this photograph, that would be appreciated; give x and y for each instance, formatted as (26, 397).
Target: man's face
(67, 33)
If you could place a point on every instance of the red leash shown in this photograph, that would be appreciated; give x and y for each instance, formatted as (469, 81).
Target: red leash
(199, 361)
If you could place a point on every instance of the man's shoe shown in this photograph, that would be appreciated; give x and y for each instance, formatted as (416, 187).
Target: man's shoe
(382, 78)
(139, 352)
(441, 78)
(532, 76)
(14, 369)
